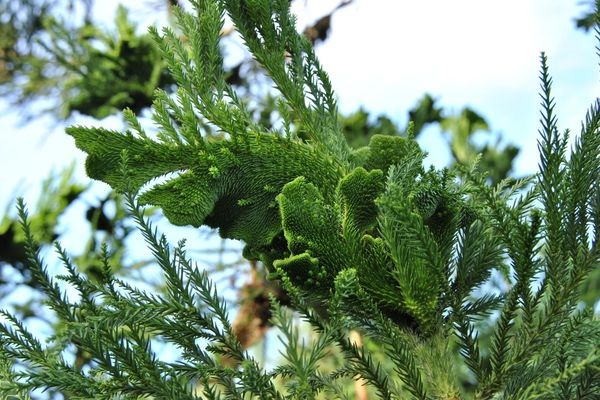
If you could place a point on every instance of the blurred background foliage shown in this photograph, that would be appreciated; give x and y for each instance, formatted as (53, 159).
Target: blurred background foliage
(586, 20)
(55, 58)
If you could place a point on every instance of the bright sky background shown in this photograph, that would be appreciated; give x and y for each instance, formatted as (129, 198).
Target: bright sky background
(383, 56)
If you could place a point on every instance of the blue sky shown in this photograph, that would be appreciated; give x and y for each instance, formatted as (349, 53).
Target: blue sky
(383, 56)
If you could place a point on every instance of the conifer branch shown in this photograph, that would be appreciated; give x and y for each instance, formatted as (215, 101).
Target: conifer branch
(365, 239)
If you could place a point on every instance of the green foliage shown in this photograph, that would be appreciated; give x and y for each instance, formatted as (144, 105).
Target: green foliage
(358, 129)
(360, 238)
(106, 72)
(232, 183)
(103, 222)
(86, 68)
(588, 21)
(495, 160)
(20, 22)
(460, 130)
(58, 192)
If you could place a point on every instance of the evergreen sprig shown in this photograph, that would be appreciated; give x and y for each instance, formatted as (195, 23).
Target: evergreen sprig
(366, 239)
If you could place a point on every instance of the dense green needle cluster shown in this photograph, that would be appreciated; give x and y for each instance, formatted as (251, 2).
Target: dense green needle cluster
(304, 203)
(360, 238)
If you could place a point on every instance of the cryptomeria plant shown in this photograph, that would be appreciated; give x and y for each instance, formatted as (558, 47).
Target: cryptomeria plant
(364, 239)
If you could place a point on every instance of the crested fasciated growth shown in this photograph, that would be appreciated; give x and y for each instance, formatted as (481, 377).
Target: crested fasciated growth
(367, 239)
(303, 202)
